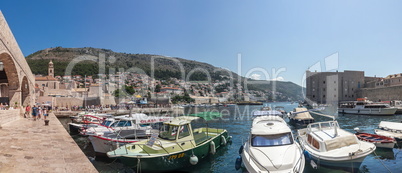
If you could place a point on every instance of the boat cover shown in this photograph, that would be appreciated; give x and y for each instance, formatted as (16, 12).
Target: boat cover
(340, 142)
(391, 126)
(302, 115)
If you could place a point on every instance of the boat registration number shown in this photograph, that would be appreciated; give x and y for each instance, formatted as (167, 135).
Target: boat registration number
(176, 156)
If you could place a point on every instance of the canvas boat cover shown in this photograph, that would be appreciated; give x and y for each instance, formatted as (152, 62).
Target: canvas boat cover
(392, 126)
(303, 115)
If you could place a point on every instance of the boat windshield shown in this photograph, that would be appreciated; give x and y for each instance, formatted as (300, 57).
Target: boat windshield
(121, 124)
(106, 123)
(168, 132)
(271, 140)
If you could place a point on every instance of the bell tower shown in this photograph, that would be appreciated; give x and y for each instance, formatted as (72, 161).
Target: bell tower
(51, 69)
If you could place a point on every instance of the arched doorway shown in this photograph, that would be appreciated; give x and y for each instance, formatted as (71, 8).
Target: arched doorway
(25, 92)
(9, 80)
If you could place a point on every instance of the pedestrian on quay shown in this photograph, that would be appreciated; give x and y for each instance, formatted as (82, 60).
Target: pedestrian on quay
(40, 112)
(45, 113)
(34, 112)
(27, 111)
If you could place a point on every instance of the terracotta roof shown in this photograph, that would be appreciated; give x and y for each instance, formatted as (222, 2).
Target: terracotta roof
(45, 78)
(170, 88)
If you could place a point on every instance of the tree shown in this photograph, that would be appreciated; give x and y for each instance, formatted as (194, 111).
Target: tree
(119, 93)
(157, 88)
(129, 90)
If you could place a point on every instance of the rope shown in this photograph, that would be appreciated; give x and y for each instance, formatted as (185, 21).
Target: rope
(328, 116)
(382, 162)
(139, 165)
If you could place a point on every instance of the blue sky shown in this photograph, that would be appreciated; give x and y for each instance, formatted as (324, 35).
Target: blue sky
(366, 35)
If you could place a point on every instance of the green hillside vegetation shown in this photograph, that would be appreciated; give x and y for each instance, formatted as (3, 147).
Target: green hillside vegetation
(141, 63)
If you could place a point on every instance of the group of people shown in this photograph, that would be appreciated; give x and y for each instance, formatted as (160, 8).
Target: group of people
(36, 112)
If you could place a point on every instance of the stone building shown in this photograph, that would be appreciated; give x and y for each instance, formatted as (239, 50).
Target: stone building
(16, 79)
(330, 87)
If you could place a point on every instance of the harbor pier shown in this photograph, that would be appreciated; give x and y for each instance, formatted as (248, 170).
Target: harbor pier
(31, 146)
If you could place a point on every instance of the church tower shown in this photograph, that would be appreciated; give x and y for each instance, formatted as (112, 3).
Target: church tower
(51, 69)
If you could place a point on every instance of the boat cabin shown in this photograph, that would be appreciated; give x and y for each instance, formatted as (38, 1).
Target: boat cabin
(270, 131)
(327, 136)
(362, 105)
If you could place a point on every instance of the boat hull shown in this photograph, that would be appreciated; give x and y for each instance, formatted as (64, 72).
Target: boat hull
(103, 145)
(371, 111)
(172, 161)
(251, 166)
(378, 140)
(301, 122)
(347, 165)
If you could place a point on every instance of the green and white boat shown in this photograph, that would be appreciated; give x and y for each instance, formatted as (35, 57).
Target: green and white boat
(176, 146)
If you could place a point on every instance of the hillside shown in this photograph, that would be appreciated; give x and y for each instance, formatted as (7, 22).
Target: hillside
(164, 68)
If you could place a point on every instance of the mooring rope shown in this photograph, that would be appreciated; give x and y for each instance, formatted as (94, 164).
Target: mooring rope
(382, 162)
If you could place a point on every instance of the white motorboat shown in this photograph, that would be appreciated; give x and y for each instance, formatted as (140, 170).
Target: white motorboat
(366, 108)
(267, 111)
(81, 122)
(328, 145)
(137, 121)
(390, 129)
(111, 140)
(271, 147)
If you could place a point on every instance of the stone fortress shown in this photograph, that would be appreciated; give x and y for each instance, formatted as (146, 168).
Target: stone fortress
(331, 87)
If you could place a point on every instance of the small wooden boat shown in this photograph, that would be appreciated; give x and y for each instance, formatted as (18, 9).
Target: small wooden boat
(378, 140)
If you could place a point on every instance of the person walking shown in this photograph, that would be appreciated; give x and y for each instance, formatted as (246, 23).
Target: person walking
(27, 111)
(34, 112)
(45, 113)
(40, 112)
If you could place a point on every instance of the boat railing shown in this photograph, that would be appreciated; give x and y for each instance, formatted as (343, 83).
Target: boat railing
(299, 160)
(159, 145)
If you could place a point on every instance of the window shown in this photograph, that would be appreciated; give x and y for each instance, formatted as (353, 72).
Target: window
(323, 82)
(271, 140)
(323, 96)
(168, 132)
(323, 89)
(334, 89)
(184, 132)
(334, 95)
(121, 124)
(335, 81)
(106, 123)
(313, 96)
(313, 142)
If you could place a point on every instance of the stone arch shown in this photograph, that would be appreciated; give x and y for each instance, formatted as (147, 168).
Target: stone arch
(10, 78)
(25, 92)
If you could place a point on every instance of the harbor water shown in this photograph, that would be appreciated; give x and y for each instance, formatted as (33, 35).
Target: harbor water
(237, 121)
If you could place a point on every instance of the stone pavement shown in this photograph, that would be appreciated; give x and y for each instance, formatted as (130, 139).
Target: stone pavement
(30, 146)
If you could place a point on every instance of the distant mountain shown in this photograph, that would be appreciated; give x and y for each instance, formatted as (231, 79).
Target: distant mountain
(164, 67)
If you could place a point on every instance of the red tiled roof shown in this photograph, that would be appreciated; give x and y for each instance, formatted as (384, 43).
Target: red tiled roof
(45, 78)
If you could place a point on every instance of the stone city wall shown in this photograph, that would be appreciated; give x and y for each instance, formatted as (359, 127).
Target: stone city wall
(383, 94)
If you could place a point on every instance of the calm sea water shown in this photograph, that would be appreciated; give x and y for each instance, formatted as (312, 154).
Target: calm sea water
(237, 121)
